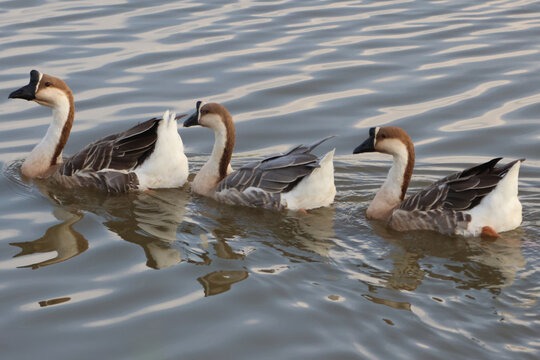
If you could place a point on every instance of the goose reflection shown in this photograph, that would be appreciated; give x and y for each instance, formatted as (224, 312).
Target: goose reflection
(471, 263)
(60, 238)
(149, 219)
(311, 232)
(218, 282)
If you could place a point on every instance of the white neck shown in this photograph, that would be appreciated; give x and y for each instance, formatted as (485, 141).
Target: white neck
(40, 158)
(389, 195)
(208, 176)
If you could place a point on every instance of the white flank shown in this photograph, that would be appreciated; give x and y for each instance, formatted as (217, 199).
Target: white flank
(500, 209)
(315, 190)
(167, 166)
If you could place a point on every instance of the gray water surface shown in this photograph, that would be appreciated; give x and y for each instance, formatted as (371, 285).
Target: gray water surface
(171, 275)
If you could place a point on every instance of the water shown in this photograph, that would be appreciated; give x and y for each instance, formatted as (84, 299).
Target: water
(170, 275)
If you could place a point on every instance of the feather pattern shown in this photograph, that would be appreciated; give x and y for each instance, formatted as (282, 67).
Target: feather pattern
(108, 181)
(444, 205)
(108, 163)
(122, 151)
(275, 174)
(459, 191)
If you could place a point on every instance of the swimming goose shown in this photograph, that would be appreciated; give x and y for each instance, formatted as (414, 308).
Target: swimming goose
(481, 200)
(295, 180)
(149, 155)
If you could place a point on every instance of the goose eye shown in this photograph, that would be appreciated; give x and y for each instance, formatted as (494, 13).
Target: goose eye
(383, 136)
(48, 83)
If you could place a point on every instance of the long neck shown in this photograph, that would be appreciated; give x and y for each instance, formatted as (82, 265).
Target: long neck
(49, 150)
(222, 151)
(394, 188)
(218, 165)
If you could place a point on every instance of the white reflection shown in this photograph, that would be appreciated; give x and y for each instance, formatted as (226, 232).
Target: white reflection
(473, 59)
(60, 242)
(493, 117)
(391, 114)
(302, 104)
(166, 305)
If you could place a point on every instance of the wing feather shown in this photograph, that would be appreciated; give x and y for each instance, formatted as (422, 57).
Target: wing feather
(459, 191)
(123, 151)
(277, 173)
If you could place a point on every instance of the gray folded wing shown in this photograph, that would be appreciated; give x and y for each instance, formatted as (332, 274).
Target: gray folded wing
(122, 151)
(275, 174)
(253, 197)
(442, 206)
(459, 191)
(108, 181)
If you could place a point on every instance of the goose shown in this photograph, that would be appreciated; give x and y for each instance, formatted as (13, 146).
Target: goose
(295, 180)
(148, 155)
(479, 201)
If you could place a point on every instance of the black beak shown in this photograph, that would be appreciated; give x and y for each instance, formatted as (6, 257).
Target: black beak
(26, 92)
(193, 120)
(367, 146)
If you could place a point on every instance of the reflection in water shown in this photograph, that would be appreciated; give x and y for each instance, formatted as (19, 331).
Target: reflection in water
(473, 263)
(54, 301)
(311, 232)
(218, 282)
(148, 219)
(393, 304)
(154, 220)
(394, 113)
(60, 238)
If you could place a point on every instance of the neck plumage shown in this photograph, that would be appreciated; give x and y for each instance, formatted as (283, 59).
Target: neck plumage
(222, 151)
(218, 165)
(394, 188)
(48, 152)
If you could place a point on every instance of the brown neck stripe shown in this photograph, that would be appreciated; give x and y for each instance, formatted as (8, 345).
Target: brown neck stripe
(66, 130)
(229, 146)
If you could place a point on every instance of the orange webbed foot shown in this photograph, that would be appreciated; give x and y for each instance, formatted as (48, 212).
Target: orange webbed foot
(488, 233)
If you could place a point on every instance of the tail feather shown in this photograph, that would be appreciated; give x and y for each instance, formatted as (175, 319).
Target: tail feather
(317, 143)
(178, 117)
(307, 149)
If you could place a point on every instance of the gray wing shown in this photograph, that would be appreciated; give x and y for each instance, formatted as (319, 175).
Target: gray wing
(441, 220)
(253, 197)
(459, 191)
(123, 151)
(108, 181)
(275, 174)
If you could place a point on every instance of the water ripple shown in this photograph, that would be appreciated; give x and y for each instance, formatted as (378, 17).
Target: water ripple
(157, 274)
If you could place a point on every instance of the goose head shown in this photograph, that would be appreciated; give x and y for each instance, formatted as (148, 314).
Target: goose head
(45, 90)
(387, 140)
(211, 115)
(396, 142)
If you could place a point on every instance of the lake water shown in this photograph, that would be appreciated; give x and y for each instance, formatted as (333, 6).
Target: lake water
(170, 275)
